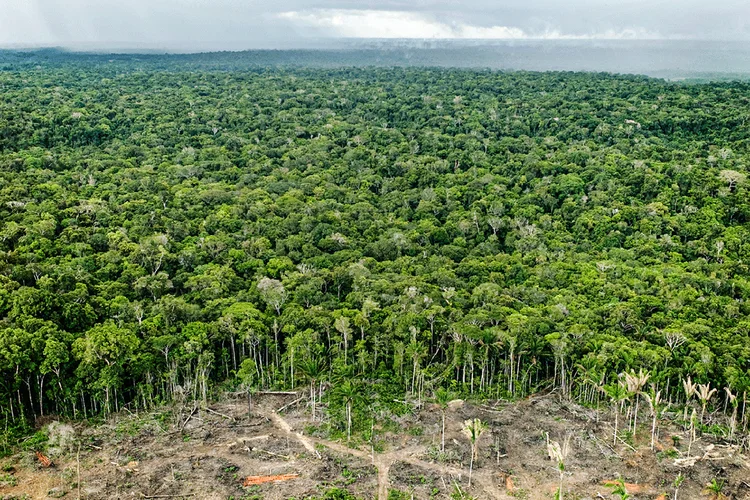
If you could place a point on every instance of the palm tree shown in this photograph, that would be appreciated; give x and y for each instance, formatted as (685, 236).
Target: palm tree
(635, 383)
(617, 394)
(654, 401)
(690, 390)
(442, 398)
(473, 430)
(558, 453)
(313, 370)
(705, 393)
(732, 399)
(348, 393)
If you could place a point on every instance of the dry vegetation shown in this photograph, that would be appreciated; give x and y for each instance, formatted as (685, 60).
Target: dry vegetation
(209, 454)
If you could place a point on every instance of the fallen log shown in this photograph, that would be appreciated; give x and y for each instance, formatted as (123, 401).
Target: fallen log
(253, 480)
(232, 426)
(182, 427)
(268, 453)
(219, 414)
(290, 404)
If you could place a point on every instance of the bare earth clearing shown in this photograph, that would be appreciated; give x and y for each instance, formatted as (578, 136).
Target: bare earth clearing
(208, 454)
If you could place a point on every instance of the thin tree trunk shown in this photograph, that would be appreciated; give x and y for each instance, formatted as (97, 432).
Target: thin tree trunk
(614, 439)
(348, 422)
(471, 464)
(249, 403)
(41, 396)
(442, 437)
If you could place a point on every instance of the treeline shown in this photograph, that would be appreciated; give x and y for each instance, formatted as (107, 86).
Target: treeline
(165, 233)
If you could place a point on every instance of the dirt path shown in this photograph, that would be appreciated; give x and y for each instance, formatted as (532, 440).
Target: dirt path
(282, 424)
(383, 462)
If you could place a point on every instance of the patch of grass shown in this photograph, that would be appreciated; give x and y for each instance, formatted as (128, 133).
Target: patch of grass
(35, 442)
(334, 494)
(399, 495)
(668, 454)
(416, 430)
(715, 430)
(627, 437)
(459, 494)
(8, 480)
(520, 493)
(442, 456)
(129, 427)
(349, 476)
(252, 493)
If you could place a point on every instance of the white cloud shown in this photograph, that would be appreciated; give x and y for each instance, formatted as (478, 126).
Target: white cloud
(370, 23)
(356, 23)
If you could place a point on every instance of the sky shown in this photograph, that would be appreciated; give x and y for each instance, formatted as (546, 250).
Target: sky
(237, 24)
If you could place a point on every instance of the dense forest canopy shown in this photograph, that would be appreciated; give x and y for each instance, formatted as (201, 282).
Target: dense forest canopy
(167, 232)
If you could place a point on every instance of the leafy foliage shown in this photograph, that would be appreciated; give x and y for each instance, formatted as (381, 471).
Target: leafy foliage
(164, 229)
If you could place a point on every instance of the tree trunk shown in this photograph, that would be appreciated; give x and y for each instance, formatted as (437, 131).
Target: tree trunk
(442, 437)
(471, 464)
(348, 421)
(41, 396)
(249, 403)
(312, 398)
(614, 438)
(234, 354)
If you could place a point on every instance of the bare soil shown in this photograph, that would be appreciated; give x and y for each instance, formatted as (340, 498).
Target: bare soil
(207, 455)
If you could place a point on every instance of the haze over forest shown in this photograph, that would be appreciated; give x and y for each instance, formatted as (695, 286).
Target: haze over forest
(664, 39)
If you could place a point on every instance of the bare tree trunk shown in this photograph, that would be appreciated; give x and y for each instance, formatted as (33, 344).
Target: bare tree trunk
(249, 403)
(614, 439)
(471, 464)
(442, 437)
(41, 396)
(348, 421)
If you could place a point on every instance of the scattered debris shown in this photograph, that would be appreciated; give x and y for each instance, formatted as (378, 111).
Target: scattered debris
(509, 487)
(253, 480)
(632, 488)
(261, 450)
(44, 460)
(167, 496)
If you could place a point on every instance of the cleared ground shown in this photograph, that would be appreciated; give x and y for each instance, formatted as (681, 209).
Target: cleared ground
(208, 454)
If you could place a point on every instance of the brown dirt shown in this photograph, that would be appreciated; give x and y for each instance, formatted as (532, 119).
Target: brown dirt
(141, 456)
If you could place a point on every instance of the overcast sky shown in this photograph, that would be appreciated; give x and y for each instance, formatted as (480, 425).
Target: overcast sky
(235, 24)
